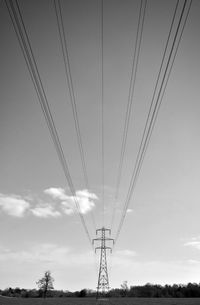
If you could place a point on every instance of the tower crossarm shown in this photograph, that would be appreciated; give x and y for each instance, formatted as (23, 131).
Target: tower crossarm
(103, 229)
(100, 239)
(104, 248)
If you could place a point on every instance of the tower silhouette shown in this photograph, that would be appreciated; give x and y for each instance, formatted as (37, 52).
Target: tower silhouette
(103, 280)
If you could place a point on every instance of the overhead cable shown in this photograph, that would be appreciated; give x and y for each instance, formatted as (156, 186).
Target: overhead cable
(156, 103)
(65, 53)
(24, 41)
(102, 110)
(135, 61)
(166, 82)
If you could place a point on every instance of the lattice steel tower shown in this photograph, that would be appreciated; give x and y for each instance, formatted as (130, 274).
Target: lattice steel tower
(103, 281)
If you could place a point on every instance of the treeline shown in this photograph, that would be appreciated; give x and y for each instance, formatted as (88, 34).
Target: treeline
(39, 293)
(191, 290)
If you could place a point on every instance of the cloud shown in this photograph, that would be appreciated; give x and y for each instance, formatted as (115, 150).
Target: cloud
(194, 242)
(84, 199)
(129, 211)
(86, 194)
(45, 211)
(85, 204)
(56, 193)
(68, 207)
(13, 205)
(17, 206)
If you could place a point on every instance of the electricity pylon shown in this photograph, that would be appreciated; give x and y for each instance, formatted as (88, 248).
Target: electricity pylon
(103, 281)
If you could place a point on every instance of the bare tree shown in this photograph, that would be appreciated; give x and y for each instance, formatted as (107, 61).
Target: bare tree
(124, 287)
(46, 283)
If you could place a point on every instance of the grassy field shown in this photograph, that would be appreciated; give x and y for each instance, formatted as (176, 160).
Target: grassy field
(90, 301)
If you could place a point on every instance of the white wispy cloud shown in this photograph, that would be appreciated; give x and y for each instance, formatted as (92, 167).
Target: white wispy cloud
(68, 206)
(45, 211)
(56, 193)
(193, 242)
(83, 198)
(85, 204)
(13, 205)
(129, 210)
(62, 203)
(86, 194)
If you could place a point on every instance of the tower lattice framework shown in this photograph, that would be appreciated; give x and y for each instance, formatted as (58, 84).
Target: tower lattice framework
(103, 280)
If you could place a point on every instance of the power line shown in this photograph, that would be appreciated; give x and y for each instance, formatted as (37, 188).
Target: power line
(157, 81)
(63, 41)
(143, 147)
(166, 82)
(24, 41)
(102, 112)
(154, 110)
(135, 61)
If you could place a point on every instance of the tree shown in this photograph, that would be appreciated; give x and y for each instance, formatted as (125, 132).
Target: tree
(45, 283)
(124, 288)
(83, 293)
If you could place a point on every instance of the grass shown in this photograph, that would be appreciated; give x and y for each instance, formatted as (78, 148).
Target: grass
(91, 301)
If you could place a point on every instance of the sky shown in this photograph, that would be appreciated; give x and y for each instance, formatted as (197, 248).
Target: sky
(160, 238)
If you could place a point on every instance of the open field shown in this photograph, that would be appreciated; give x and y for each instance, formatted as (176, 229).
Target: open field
(91, 301)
